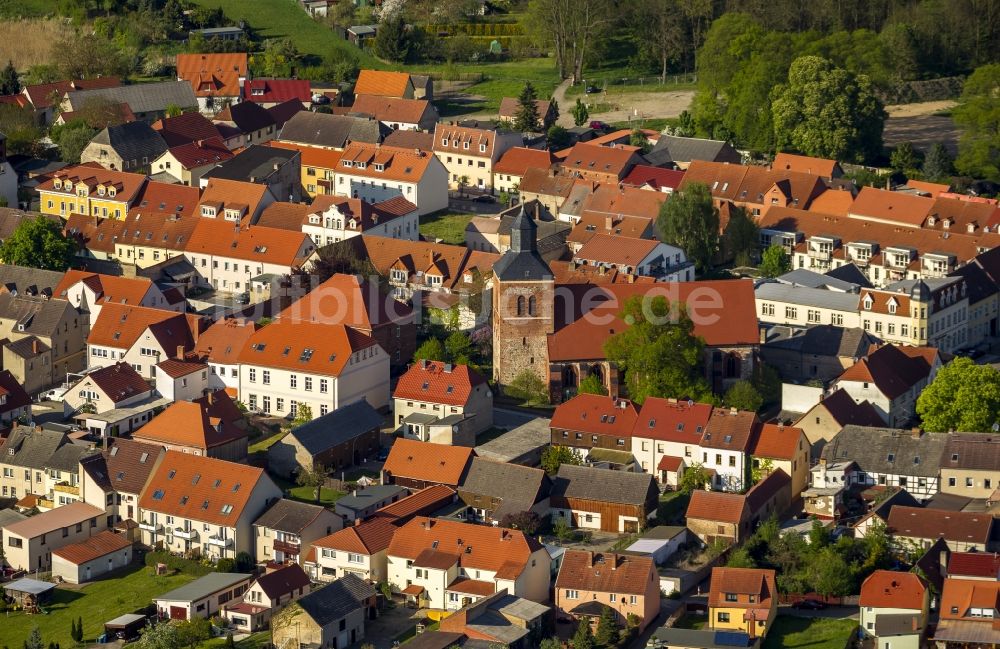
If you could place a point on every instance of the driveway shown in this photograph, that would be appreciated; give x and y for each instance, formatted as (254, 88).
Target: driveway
(390, 624)
(508, 419)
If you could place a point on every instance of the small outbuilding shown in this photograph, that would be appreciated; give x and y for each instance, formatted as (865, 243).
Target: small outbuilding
(102, 553)
(29, 594)
(125, 627)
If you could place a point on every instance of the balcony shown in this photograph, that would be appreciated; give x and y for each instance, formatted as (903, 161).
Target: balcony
(822, 255)
(189, 535)
(219, 541)
(146, 526)
(45, 504)
(67, 488)
(286, 547)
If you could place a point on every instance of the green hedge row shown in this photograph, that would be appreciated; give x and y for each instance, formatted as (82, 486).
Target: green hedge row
(477, 29)
(180, 564)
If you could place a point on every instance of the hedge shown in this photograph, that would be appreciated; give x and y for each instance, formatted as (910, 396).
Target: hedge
(476, 29)
(187, 566)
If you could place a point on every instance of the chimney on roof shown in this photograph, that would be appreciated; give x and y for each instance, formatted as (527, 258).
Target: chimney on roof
(732, 411)
(916, 432)
(609, 222)
(34, 346)
(448, 368)
(180, 352)
(357, 522)
(614, 562)
(210, 397)
(590, 559)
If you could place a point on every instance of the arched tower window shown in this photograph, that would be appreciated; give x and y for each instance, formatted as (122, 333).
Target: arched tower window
(532, 306)
(520, 305)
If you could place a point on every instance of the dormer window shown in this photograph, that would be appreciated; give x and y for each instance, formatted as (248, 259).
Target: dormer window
(444, 141)
(111, 191)
(207, 211)
(868, 303)
(482, 148)
(348, 163)
(379, 166)
(465, 145)
(361, 165)
(100, 190)
(892, 306)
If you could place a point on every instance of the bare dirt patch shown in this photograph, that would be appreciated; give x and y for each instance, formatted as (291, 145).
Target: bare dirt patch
(923, 125)
(30, 42)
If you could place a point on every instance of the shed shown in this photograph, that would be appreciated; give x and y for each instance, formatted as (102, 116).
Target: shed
(102, 553)
(125, 627)
(27, 593)
(659, 543)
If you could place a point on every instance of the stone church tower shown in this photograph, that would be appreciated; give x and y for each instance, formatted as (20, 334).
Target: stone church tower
(523, 293)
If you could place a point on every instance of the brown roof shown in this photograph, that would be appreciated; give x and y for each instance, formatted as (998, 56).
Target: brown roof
(583, 339)
(672, 420)
(605, 572)
(201, 153)
(777, 441)
(369, 537)
(596, 414)
(234, 192)
(204, 423)
(201, 488)
(961, 215)
(594, 223)
(422, 502)
(966, 594)
(960, 527)
(752, 184)
(476, 547)
(804, 164)
(97, 546)
(312, 156)
(121, 325)
(223, 341)
(123, 466)
(392, 109)
(616, 160)
(438, 382)
(547, 182)
(845, 410)
(975, 451)
(41, 94)
(119, 381)
(609, 199)
(54, 519)
(616, 249)
(974, 564)
(382, 82)
(893, 589)
(283, 581)
(284, 216)
(891, 207)
(515, 161)
(185, 128)
(453, 263)
(176, 368)
(510, 105)
(108, 288)
(716, 506)
(742, 581)
(449, 138)
(213, 75)
(893, 371)
(348, 300)
(410, 140)
(126, 185)
(166, 198)
(434, 463)
(305, 346)
(731, 429)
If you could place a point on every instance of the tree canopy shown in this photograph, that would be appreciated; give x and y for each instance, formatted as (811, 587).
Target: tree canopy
(828, 112)
(658, 352)
(774, 261)
(978, 113)
(962, 397)
(526, 118)
(690, 220)
(38, 243)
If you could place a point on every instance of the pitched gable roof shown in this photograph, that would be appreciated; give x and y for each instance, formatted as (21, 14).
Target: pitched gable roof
(393, 109)
(777, 441)
(605, 572)
(331, 131)
(348, 300)
(337, 599)
(598, 414)
(716, 506)
(888, 450)
(893, 371)
(436, 463)
(201, 488)
(185, 128)
(475, 547)
(960, 527)
(845, 411)
(891, 207)
(517, 160)
(289, 516)
(276, 90)
(119, 381)
(383, 83)
(213, 75)
(603, 485)
(893, 589)
(204, 423)
(305, 346)
(758, 582)
(368, 538)
(283, 581)
(121, 325)
(805, 164)
(672, 420)
(223, 341)
(334, 428)
(518, 488)
(108, 288)
(123, 466)
(438, 382)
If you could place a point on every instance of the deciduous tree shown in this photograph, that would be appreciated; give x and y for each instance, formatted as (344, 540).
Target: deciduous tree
(978, 114)
(580, 113)
(743, 396)
(430, 350)
(38, 243)
(774, 261)
(690, 221)
(963, 397)
(591, 385)
(741, 239)
(555, 456)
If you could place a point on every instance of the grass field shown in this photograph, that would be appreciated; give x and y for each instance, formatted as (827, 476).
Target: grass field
(95, 603)
(264, 443)
(447, 226)
(287, 19)
(26, 8)
(811, 633)
(327, 496)
(257, 640)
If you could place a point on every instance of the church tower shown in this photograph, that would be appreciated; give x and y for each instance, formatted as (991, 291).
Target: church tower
(523, 294)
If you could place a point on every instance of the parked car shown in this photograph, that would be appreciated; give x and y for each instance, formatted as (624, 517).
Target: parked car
(592, 89)
(484, 198)
(598, 125)
(810, 605)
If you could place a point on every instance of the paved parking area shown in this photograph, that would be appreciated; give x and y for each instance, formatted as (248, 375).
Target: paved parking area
(392, 622)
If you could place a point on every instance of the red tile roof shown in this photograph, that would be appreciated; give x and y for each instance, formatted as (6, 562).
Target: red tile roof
(176, 368)
(108, 288)
(716, 506)
(758, 582)
(121, 325)
(14, 391)
(655, 177)
(804, 164)
(368, 538)
(433, 463)
(587, 158)
(617, 250)
(517, 160)
(605, 572)
(312, 156)
(845, 410)
(213, 75)
(41, 95)
(966, 594)
(163, 198)
(672, 420)
(201, 153)
(185, 128)
(305, 347)
(283, 581)
(890, 369)
(204, 423)
(419, 503)
(391, 109)
(974, 564)
(97, 546)
(731, 429)
(891, 207)
(348, 300)
(223, 341)
(404, 165)
(596, 414)
(669, 463)
(269, 91)
(126, 185)
(437, 382)
(892, 589)
(475, 547)
(259, 244)
(777, 441)
(382, 82)
(119, 381)
(201, 488)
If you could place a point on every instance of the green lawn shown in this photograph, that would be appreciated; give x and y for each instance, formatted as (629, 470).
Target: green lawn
(628, 89)
(327, 496)
(692, 622)
(264, 443)
(445, 225)
(814, 633)
(26, 8)
(95, 603)
(257, 640)
(499, 80)
(672, 507)
(287, 19)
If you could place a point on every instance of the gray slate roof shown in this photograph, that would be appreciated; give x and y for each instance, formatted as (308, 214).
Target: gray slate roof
(812, 279)
(671, 148)
(363, 498)
(515, 443)
(821, 340)
(849, 273)
(254, 164)
(603, 485)
(132, 141)
(871, 448)
(36, 449)
(203, 586)
(337, 427)
(39, 316)
(518, 487)
(336, 131)
(141, 97)
(333, 602)
(806, 297)
(24, 280)
(288, 516)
